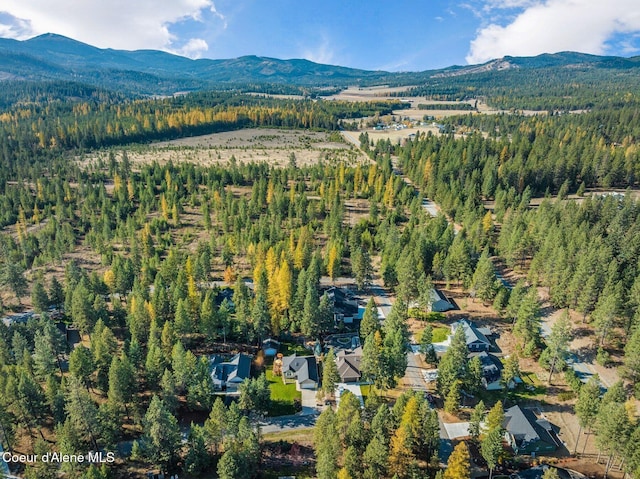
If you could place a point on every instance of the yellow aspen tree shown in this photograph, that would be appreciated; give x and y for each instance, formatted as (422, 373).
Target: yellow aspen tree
(428, 170)
(151, 311)
(229, 275)
(270, 191)
(459, 466)
(344, 474)
(292, 193)
(188, 267)
(371, 176)
(400, 452)
(389, 193)
(411, 419)
(273, 292)
(175, 217)
(333, 262)
(300, 257)
(109, 279)
(164, 207)
(357, 179)
(167, 179)
(130, 190)
(292, 244)
(257, 274)
(487, 222)
(36, 214)
(117, 182)
(193, 294)
(284, 280)
(379, 185)
(271, 263)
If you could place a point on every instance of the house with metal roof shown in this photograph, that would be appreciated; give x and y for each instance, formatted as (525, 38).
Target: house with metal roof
(301, 369)
(230, 374)
(476, 337)
(528, 433)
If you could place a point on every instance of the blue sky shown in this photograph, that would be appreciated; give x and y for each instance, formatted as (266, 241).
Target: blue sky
(390, 35)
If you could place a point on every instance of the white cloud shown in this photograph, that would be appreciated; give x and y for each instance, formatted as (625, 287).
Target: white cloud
(122, 24)
(321, 53)
(553, 26)
(194, 48)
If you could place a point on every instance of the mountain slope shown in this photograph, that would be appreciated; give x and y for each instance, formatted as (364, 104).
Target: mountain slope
(53, 57)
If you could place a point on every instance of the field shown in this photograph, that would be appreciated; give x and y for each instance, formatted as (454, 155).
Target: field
(246, 146)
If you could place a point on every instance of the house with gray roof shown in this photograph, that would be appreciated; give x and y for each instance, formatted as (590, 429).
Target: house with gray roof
(476, 337)
(348, 363)
(528, 433)
(230, 374)
(301, 369)
(439, 302)
(491, 370)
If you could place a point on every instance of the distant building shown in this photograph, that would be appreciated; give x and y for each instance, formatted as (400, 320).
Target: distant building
(230, 374)
(527, 433)
(476, 337)
(301, 369)
(348, 362)
(20, 318)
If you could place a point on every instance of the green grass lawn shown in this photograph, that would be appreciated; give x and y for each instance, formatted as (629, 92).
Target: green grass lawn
(531, 388)
(440, 334)
(288, 348)
(282, 396)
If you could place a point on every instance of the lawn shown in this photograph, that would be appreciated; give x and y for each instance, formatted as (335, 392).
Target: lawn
(288, 348)
(283, 396)
(531, 388)
(440, 334)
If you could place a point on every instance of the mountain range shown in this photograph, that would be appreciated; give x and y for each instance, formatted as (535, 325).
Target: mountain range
(52, 57)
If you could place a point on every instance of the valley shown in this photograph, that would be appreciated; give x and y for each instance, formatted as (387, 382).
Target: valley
(317, 271)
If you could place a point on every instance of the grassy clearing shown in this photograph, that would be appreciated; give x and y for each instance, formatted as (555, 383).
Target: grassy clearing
(283, 396)
(440, 334)
(531, 388)
(294, 435)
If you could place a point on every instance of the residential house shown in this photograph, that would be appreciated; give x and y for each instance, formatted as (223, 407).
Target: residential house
(301, 369)
(345, 308)
(20, 318)
(230, 374)
(476, 337)
(348, 362)
(528, 433)
(439, 302)
(491, 370)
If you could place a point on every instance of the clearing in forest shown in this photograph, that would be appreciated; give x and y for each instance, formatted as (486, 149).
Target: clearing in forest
(247, 145)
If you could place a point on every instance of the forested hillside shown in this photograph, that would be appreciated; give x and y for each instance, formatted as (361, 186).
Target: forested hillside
(123, 280)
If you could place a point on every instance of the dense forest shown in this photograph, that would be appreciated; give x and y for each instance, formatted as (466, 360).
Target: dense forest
(133, 256)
